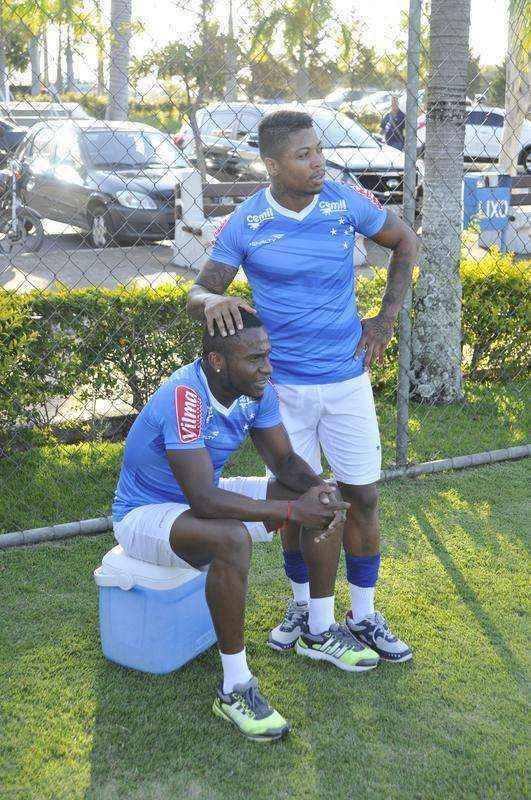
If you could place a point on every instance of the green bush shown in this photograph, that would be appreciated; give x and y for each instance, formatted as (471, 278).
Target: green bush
(496, 316)
(121, 343)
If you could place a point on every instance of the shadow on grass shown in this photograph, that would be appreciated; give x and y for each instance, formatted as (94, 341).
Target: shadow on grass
(469, 597)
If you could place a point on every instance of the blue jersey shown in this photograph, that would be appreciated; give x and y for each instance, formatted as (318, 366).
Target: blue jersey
(184, 415)
(300, 268)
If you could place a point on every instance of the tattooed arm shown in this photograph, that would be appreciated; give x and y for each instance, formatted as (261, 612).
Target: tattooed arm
(208, 303)
(378, 330)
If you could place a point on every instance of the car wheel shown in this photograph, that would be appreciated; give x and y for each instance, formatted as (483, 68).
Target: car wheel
(101, 228)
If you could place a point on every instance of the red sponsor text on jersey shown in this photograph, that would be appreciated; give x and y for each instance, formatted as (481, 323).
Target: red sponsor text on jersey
(188, 413)
(367, 193)
(221, 225)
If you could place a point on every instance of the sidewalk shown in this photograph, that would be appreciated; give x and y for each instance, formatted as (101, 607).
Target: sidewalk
(147, 265)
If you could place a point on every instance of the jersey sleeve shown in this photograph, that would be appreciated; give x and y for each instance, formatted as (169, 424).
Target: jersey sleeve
(180, 413)
(365, 210)
(228, 244)
(269, 412)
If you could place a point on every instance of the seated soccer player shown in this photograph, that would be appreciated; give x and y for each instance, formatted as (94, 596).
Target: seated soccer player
(172, 507)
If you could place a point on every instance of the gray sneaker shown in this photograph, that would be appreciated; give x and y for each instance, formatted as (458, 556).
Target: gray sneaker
(373, 631)
(294, 624)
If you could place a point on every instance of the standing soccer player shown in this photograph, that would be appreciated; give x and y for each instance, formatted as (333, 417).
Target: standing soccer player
(295, 243)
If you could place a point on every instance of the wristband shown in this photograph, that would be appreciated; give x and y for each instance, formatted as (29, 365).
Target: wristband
(288, 515)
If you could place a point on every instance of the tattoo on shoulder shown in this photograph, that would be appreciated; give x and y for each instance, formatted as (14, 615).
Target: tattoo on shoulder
(216, 277)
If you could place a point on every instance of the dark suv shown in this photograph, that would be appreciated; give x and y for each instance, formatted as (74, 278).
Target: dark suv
(353, 155)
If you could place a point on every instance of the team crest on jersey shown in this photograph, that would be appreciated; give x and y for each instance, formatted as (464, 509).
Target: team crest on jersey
(255, 220)
(329, 206)
(369, 195)
(188, 413)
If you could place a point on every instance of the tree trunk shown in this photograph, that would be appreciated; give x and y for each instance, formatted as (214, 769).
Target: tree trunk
(516, 88)
(4, 76)
(198, 142)
(302, 79)
(101, 66)
(45, 58)
(70, 82)
(119, 60)
(436, 340)
(59, 74)
(35, 62)
(231, 89)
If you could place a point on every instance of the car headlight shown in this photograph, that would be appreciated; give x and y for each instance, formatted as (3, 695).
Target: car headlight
(135, 200)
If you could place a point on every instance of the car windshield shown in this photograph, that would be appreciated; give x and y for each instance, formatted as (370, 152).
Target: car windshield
(141, 149)
(338, 130)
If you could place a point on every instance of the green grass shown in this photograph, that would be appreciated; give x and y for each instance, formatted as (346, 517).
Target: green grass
(77, 481)
(449, 725)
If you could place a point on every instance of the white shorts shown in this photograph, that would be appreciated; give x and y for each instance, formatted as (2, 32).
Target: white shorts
(144, 532)
(338, 419)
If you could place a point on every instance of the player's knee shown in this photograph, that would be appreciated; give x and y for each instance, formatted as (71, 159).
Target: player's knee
(237, 544)
(363, 499)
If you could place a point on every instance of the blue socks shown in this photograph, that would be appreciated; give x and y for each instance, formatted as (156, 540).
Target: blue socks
(362, 574)
(297, 572)
(362, 570)
(295, 566)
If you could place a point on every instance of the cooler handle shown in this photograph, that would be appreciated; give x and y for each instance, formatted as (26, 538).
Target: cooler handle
(120, 579)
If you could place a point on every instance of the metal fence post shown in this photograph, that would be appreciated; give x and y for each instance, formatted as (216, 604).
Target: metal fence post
(410, 181)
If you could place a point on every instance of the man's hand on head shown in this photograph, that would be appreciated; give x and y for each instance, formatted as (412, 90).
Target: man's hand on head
(224, 311)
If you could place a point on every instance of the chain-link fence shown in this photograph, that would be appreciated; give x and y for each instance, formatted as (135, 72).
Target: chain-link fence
(125, 134)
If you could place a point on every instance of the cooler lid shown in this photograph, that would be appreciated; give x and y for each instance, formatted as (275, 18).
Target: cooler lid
(118, 569)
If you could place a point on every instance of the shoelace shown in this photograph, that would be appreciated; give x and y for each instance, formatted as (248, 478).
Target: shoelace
(293, 617)
(252, 701)
(342, 634)
(381, 626)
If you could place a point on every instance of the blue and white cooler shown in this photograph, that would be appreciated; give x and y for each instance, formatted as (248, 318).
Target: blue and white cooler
(154, 619)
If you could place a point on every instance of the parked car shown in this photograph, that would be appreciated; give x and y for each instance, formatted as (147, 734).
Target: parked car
(353, 155)
(339, 96)
(29, 113)
(379, 103)
(11, 136)
(483, 136)
(114, 179)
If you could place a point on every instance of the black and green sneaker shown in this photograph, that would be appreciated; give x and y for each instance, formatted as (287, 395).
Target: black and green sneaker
(250, 713)
(338, 646)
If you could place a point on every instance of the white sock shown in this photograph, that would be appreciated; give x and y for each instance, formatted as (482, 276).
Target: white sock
(301, 591)
(235, 670)
(321, 614)
(362, 599)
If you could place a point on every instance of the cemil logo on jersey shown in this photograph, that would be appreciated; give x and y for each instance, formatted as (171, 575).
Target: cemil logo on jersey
(188, 413)
(329, 206)
(255, 220)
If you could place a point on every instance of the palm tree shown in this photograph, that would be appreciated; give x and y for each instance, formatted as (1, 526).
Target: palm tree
(517, 87)
(121, 11)
(302, 23)
(436, 340)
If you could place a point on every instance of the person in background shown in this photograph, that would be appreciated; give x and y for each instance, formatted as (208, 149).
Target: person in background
(393, 125)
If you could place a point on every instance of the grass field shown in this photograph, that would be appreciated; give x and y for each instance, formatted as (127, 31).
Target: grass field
(451, 724)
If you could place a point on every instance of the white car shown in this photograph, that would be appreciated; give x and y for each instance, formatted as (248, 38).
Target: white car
(483, 135)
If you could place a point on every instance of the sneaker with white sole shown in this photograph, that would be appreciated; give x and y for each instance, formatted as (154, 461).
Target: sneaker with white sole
(373, 631)
(248, 710)
(294, 624)
(339, 647)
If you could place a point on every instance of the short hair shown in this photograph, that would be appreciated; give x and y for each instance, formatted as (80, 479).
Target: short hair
(275, 129)
(222, 344)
